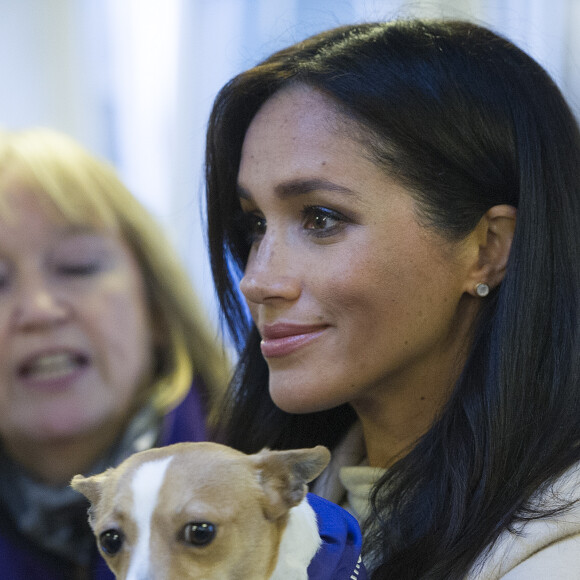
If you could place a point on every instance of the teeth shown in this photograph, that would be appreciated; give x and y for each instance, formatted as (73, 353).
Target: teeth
(51, 366)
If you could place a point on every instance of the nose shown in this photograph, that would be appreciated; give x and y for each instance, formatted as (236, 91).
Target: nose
(37, 305)
(271, 272)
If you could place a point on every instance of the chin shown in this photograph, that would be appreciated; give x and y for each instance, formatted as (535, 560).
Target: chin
(55, 431)
(297, 402)
(66, 425)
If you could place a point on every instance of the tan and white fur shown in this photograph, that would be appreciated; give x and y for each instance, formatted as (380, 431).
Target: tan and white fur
(206, 511)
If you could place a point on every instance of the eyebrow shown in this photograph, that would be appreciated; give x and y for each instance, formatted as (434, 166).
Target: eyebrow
(297, 187)
(79, 229)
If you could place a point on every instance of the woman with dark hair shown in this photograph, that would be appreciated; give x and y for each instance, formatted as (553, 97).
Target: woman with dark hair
(400, 205)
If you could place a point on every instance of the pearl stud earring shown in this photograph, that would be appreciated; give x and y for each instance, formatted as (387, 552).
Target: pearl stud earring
(482, 290)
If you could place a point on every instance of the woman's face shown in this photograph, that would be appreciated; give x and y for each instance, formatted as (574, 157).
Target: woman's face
(75, 338)
(352, 297)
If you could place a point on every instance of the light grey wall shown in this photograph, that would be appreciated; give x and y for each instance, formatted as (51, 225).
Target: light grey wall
(65, 64)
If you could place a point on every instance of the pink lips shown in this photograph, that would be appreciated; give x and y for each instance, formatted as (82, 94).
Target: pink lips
(283, 339)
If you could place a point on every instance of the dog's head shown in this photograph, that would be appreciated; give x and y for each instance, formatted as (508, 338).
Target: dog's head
(197, 510)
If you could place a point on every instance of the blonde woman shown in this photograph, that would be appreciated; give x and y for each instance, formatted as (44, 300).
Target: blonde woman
(104, 349)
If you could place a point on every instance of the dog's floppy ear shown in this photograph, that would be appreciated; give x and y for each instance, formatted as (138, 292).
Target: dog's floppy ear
(90, 487)
(284, 475)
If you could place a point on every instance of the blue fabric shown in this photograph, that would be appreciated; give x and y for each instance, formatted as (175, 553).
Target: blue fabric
(19, 560)
(339, 556)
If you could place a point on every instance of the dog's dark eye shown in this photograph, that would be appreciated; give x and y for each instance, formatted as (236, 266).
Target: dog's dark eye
(198, 533)
(111, 541)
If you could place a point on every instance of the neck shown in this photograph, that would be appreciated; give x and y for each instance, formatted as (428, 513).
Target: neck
(56, 461)
(392, 427)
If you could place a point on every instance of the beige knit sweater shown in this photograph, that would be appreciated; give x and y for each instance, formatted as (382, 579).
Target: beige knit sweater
(544, 549)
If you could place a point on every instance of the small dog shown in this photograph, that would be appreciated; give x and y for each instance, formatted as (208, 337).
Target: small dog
(206, 511)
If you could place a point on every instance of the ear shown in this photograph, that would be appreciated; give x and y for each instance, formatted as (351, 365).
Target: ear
(284, 475)
(493, 234)
(90, 487)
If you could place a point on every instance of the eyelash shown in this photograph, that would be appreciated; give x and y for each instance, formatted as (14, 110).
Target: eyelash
(79, 269)
(315, 212)
(72, 270)
(254, 225)
(247, 224)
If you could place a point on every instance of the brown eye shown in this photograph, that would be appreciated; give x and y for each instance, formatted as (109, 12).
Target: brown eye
(199, 533)
(111, 542)
(321, 221)
(254, 226)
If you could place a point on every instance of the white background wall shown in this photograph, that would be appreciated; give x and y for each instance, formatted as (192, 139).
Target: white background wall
(134, 80)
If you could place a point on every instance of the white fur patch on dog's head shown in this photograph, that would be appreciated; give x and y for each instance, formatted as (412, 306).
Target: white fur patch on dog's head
(146, 484)
(203, 510)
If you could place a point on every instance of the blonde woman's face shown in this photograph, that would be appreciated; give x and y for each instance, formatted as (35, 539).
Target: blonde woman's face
(75, 338)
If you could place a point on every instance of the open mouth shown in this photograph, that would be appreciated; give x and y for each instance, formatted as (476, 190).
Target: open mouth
(52, 366)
